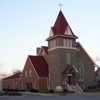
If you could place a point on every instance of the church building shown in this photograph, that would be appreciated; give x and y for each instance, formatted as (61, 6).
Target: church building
(64, 62)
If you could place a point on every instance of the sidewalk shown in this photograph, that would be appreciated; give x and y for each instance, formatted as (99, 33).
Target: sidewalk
(38, 94)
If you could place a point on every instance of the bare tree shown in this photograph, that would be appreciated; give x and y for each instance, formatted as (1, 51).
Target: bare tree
(3, 75)
(97, 60)
(15, 71)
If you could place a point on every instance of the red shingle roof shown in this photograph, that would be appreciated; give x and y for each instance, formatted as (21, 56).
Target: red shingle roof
(46, 49)
(15, 76)
(60, 24)
(60, 27)
(67, 69)
(40, 65)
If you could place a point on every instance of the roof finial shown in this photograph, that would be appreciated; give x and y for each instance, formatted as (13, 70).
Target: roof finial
(60, 5)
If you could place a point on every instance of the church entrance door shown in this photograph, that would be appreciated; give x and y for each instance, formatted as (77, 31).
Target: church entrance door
(28, 86)
(70, 79)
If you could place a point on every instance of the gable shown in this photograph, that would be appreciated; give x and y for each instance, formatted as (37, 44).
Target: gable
(83, 53)
(27, 67)
(40, 65)
(68, 31)
(43, 50)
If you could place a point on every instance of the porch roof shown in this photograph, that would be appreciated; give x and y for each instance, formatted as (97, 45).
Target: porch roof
(68, 68)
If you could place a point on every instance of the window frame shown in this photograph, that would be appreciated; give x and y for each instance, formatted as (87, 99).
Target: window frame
(81, 70)
(30, 73)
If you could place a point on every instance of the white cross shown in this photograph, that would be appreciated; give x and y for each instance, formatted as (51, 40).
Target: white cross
(60, 5)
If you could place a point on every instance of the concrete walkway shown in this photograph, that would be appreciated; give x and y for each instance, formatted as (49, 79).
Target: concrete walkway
(30, 93)
(39, 94)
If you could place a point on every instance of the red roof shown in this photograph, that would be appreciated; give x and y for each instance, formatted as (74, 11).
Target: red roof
(15, 76)
(45, 49)
(40, 65)
(60, 26)
(67, 69)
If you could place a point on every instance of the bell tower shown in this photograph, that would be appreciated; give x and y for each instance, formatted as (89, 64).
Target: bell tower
(61, 50)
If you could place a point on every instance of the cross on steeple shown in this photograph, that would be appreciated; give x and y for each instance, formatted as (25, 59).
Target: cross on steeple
(60, 5)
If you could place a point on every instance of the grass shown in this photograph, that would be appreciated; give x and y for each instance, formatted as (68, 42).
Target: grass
(92, 90)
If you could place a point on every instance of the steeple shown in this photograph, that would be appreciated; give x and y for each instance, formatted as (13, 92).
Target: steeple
(61, 28)
(61, 50)
(60, 24)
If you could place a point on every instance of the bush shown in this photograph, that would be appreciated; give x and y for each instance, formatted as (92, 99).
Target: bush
(22, 90)
(94, 87)
(89, 87)
(14, 94)
(51, 91)
(65, 90)
(33, 90)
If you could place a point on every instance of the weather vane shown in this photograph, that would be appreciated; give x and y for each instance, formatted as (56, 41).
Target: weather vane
(60, 5)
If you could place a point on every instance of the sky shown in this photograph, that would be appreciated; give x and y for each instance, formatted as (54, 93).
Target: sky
(25, 24)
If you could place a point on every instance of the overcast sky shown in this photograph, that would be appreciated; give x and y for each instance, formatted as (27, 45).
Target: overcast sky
(25, 24)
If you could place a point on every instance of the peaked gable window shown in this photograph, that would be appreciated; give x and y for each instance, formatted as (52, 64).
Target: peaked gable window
(81, 70)
(26, 73)
(30, 73)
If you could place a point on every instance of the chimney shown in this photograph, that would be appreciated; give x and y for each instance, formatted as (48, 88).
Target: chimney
(38, 48)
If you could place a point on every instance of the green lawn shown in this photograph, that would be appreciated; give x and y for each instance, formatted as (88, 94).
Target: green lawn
(92, 90)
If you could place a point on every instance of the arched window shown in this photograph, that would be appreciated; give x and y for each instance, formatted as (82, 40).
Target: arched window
(65, 43)
(68, 58)
(70, 43)
(81, 70)
(30, 73)
(26, 73)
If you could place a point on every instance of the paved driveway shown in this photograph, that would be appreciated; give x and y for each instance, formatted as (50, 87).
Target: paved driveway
(95, 96)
